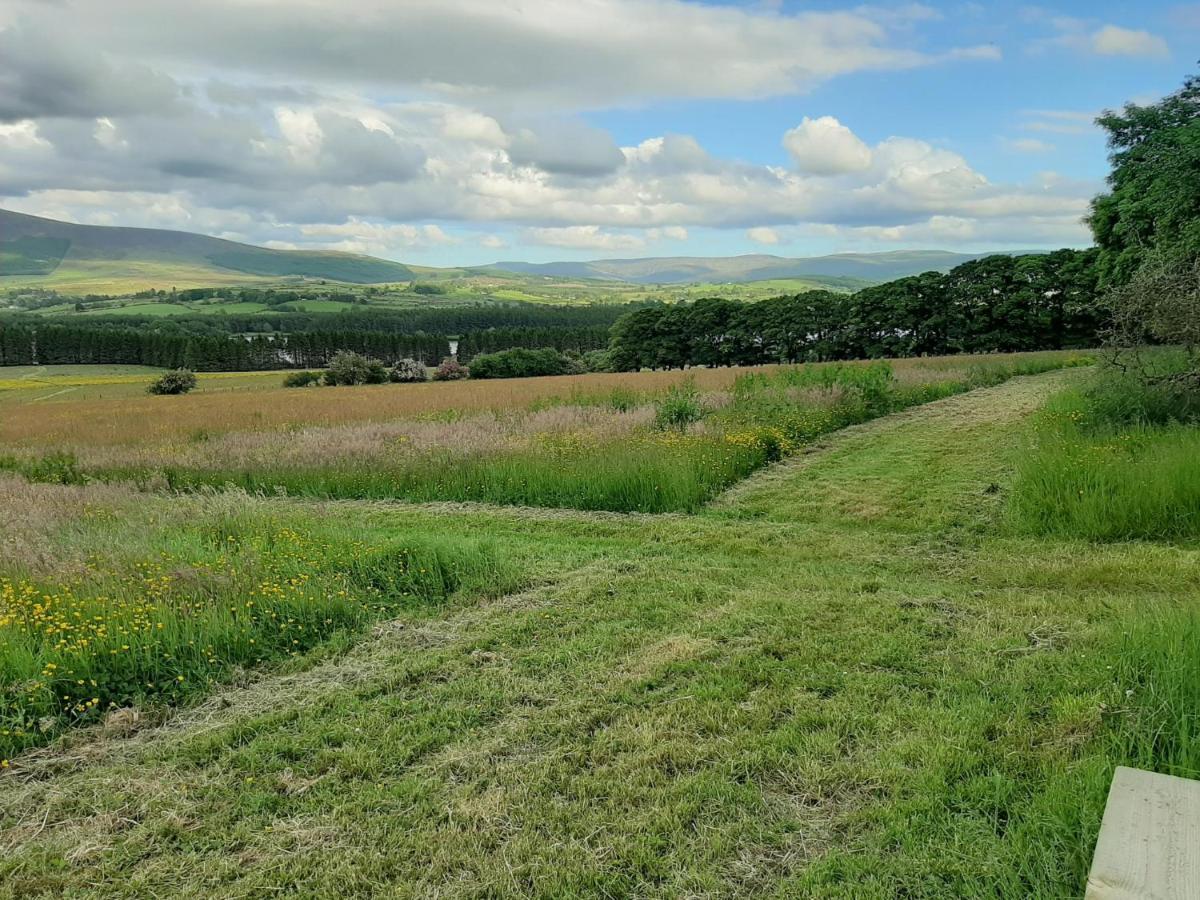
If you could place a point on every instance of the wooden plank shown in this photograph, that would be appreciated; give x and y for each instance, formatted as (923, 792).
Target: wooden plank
(1149, 845)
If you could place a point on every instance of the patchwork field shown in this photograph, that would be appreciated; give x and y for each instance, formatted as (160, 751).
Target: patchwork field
(853, 674)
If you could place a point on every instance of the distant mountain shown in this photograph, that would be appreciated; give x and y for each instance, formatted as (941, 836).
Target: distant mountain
(33, 248)
(106, 260)
(873, 267)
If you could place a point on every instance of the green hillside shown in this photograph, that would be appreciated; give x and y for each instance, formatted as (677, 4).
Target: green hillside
(98, 259)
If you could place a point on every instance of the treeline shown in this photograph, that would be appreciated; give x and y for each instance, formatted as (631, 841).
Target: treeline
(453, 320)
(574, 340)
(24, 344)
(995, 304)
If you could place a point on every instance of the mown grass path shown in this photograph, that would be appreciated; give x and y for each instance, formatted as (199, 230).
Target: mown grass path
(842, 680)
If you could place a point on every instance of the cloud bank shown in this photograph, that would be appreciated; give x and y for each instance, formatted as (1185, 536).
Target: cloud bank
(375, 126)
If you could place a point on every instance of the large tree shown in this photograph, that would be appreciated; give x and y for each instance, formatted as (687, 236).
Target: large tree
(1153, 207)
(1148, 226)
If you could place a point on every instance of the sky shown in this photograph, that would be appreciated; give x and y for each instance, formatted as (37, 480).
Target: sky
(458, 132)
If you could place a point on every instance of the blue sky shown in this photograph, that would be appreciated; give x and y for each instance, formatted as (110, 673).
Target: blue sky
(449, 132)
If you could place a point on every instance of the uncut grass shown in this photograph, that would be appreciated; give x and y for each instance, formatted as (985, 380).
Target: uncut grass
(601, 456)
(1108, 463)
(68, 423)
(221, 583)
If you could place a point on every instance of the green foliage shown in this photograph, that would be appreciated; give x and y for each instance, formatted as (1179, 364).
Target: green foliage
(952, 704)
(671, 468)
(351, 368)
(1118, 397)
(679, 408)
(1148, 227)
(179, 381)
(303, 379)
(1160, 304)
(58, 467)
(450, 369)
(995, 304)
(1153, 206)
(408, 371)
(520, 363)
(428, 287)
(597, 361)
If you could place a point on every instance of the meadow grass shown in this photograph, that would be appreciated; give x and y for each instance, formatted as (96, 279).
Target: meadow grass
(1112, 459)
(845, 681)
(1159, 660)
(81, 419)
(590, 453)
(221, 583)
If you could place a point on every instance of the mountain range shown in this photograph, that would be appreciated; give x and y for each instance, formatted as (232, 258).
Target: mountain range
(871, 267)
(35, 251)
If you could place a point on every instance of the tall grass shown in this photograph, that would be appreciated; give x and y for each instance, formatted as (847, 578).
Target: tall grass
(1113, 459)
(78, 419)
(1158, 668)
(672, 456)
(231, 588)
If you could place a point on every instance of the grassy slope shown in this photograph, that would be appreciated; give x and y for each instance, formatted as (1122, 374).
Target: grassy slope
(99, 259)
(840, 682)
(122, 276)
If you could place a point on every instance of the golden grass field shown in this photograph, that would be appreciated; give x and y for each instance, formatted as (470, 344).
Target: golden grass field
(77, 407)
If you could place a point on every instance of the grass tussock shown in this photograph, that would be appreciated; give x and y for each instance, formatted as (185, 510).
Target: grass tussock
(1113, 459)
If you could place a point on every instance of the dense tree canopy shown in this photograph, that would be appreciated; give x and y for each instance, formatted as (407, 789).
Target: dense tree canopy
(999, 303)
(1148, 226)
(1153, 206)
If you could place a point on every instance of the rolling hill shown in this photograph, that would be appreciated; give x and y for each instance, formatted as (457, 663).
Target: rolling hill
(68, 257)
(870, 267)
(95, 259)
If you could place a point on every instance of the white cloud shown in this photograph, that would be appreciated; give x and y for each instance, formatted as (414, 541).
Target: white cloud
(1080, 36)
(825, 146)
(1028, 145)
(238, 141)
(374, 238)
(670, 233)
(566, 147)
(584, 237)
(1059, 121)
(598, 53)
(22, 135)
(665, 186)
(1111, 40)
(762, 235)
